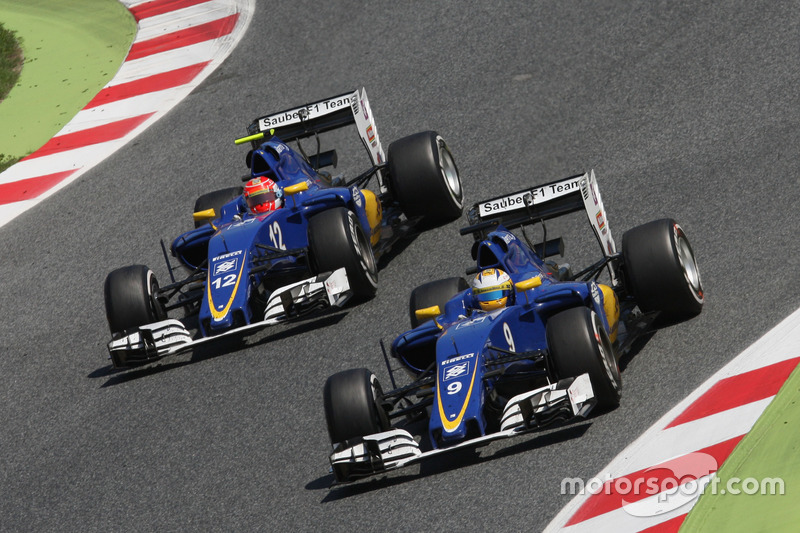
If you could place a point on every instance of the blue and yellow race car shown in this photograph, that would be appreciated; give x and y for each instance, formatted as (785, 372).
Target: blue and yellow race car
(292, 241)
(527, 343)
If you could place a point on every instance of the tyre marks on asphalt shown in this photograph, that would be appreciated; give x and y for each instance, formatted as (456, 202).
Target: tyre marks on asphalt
(178, 44)
(653, 484)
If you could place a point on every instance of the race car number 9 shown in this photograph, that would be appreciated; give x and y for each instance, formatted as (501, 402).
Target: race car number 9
(509, 338)
(454, 387)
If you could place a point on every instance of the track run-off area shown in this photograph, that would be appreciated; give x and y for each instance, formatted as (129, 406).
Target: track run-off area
(682, 110)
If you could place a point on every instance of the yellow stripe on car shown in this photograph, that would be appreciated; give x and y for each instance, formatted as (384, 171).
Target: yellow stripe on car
(447, 424)
(219, 315)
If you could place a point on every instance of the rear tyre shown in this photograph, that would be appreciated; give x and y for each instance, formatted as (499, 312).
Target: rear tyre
(433, 293)
(215, 200)
(351, 405)
(424, 179)
(579, 344)
(130, 295)
(661, 270)
(337, 240)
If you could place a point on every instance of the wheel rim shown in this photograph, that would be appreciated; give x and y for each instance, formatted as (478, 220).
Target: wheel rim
(366, 257)
(689, 265)
(152, 290)
(450, 173)
(377, 392)
(606, 353)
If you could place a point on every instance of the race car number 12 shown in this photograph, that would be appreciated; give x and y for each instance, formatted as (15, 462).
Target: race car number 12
(276, 236)
(226, 281)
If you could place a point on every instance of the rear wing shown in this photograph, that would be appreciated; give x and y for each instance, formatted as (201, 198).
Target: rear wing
(317, 117)
(542, 202)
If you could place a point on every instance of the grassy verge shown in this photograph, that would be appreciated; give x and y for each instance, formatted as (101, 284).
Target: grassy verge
(759, 481)
(11, 59)
(71, 50)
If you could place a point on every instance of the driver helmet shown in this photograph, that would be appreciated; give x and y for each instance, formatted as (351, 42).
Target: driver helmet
(263, 195)
(492, 288)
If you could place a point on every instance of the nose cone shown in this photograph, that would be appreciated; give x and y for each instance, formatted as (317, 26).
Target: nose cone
(458, 399)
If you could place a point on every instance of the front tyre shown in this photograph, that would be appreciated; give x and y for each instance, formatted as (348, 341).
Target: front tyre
(424, 179)
(351, 405)
(579, 344)
(661, 270)
(337, 240)
(130, 296)
(433, 293)
(215, 200)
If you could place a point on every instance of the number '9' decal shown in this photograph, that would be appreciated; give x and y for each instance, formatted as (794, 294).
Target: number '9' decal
(509, 338)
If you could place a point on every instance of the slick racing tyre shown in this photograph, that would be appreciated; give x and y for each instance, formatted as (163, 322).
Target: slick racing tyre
(433, 293)
(215, 200)
(337, 240)
(130, 295)
(661, 271)
(424, 179)
(351, 405)
(579, 344)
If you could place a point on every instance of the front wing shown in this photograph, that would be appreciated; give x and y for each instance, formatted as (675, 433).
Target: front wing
(169, 337)
(390, 450)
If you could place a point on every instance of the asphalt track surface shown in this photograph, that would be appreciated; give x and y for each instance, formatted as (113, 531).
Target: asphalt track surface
(683, 110)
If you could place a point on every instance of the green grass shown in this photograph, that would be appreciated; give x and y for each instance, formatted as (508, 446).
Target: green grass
(771, 450)
(71, 49)
(11, 59)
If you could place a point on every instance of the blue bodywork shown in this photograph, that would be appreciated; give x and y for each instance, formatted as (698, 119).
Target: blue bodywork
(465, 341)
(242, 252)
(548, 355)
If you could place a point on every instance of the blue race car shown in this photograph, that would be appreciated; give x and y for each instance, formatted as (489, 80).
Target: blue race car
(292, 241)
(526, 344)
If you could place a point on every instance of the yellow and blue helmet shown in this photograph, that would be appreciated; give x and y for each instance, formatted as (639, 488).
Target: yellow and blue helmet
(492, 288)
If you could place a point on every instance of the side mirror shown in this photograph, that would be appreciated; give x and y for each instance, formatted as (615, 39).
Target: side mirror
(296, 188)
(428, 312)
(531, 283)
(205, 216)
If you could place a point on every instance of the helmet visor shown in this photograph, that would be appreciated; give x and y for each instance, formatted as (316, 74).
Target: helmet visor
(258, 198)
(495, 294)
